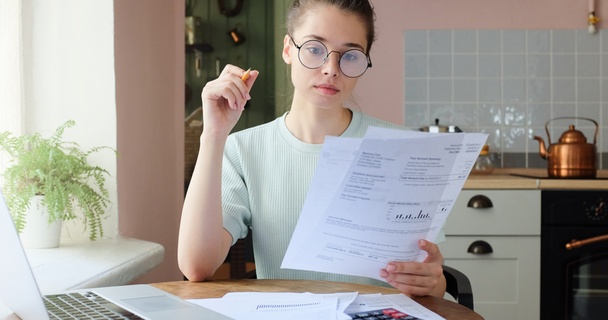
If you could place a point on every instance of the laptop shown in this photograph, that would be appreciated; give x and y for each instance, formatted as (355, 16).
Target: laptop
(20, 293)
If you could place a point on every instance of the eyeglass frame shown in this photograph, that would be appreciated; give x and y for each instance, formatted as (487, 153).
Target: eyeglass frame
(340, 55)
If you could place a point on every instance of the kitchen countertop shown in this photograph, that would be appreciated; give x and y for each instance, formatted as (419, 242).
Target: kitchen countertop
(520, 178)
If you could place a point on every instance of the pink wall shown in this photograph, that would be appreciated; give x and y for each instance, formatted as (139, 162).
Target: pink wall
(380, 92)
(149, 67)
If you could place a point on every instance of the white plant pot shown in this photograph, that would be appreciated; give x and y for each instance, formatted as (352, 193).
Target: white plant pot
(38, 233)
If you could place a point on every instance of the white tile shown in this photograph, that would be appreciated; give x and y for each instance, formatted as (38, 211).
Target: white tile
(514, 114)
(588, 65)
(586, 42)
(416, 90)
(440, 65)
(563, 41)
(561, 110)
(514, 41)
(490, 90)
(539, 66)
(465, 90)
(514, 90)
(416, 115)
(416, 41)
(440, 90)
(490, 65)
(489, 41)
(465, 66)
(588, 90)
(564, 90)
(514, 139)
(465, 41)
(490, 115)
(603, 146)
(537, 114)
(494, 138)
(514, 65)
(539, 41)
(603, 40)
(539, 90)
(465, 115)
(416, 66)
(589, 111)
(564, 65)
(440, 41)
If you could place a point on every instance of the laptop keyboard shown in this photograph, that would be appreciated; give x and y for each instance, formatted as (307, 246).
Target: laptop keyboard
(84, 306)
(389, 313)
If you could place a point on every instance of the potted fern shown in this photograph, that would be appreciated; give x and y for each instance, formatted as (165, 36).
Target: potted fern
(55, 175)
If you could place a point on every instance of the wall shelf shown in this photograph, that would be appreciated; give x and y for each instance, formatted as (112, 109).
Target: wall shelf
(202, 47)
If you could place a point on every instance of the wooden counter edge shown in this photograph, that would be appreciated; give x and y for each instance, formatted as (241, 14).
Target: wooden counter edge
(218, 288)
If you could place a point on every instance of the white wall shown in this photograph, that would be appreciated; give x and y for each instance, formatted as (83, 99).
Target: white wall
(69, 74)
(117, 68)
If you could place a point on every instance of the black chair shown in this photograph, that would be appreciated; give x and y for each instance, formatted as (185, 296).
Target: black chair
(458, 286)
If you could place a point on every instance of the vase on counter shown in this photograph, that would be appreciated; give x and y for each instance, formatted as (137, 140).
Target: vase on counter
(484, 163)
(38, 232)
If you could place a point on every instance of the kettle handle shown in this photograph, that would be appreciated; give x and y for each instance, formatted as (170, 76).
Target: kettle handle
(560, 118)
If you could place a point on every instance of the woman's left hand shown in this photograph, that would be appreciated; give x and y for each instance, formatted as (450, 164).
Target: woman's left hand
(418, 278)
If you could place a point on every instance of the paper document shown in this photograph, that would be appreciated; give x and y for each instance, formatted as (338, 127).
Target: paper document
(279, 306)
(372, 199)
(306, 306)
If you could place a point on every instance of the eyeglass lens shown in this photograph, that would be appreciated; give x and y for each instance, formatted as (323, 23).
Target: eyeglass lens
(313, 54)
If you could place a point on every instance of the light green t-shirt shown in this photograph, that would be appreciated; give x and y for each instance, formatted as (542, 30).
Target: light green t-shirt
(265, 178)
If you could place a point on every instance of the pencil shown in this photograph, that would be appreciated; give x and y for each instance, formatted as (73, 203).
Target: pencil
(246, 75)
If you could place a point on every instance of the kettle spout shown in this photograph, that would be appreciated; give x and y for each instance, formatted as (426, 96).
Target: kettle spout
(542, 148)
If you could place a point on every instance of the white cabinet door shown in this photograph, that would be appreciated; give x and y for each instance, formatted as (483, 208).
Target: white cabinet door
(506, 282)
(513, 212)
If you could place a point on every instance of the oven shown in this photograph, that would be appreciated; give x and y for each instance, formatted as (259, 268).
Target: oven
(574, 254)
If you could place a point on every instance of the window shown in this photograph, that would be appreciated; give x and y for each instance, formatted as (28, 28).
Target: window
(11, 79)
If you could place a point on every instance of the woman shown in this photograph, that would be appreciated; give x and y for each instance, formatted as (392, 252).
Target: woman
(258, 178)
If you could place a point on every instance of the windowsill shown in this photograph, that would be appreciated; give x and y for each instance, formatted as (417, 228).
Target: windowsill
(87, 264)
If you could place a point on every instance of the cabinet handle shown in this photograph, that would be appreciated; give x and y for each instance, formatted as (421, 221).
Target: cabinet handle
(480, 202)
(480, 247)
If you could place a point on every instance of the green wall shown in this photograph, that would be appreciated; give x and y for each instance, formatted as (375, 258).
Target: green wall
(256, 22)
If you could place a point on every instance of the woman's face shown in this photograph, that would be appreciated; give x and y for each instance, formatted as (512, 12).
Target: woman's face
(326, 86)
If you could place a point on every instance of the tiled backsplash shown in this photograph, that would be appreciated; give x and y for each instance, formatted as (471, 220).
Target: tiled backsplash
(509, 84)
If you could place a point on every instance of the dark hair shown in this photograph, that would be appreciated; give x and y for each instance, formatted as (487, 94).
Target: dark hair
(362, 8)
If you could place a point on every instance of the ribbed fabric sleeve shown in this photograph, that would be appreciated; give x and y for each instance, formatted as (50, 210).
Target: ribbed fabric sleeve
(265, 178)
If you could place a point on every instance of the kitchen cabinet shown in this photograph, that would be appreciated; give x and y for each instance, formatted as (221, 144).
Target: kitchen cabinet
(505, 281)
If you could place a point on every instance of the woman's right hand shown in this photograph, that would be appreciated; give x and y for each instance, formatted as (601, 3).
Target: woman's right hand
(224, 99)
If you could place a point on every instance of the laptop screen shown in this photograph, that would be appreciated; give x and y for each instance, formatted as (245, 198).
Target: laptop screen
(18, 288)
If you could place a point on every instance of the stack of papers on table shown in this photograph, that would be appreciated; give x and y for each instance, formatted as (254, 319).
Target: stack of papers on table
(305, 306)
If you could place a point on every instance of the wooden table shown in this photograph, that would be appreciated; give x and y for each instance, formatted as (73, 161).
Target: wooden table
(218, 288)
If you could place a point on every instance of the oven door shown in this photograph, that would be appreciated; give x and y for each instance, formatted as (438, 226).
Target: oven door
(578, 286)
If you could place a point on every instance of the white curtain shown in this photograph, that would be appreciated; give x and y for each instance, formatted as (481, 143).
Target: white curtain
(11, 67)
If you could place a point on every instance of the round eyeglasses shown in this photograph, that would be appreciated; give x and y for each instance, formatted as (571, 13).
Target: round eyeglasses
(313, 54)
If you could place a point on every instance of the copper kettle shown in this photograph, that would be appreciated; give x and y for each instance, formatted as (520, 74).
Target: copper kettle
(572, 156)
